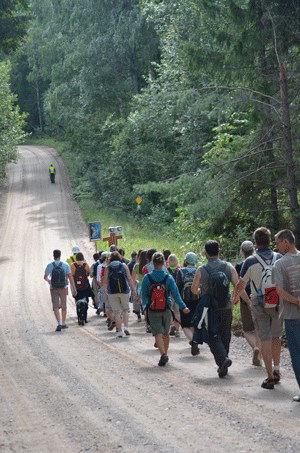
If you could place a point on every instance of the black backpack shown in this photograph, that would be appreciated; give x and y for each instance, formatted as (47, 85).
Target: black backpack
(117, 279)
(58, 276)
(218, 285)
(187, 280)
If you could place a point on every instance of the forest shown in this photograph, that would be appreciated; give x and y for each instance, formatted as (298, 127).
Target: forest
(193, 104)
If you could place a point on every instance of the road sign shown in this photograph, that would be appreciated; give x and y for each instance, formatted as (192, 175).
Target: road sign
(139, 200)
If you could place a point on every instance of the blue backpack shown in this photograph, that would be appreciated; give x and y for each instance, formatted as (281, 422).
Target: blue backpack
(58, 276)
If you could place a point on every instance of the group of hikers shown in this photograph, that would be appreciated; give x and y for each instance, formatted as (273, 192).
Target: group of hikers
(197, 299)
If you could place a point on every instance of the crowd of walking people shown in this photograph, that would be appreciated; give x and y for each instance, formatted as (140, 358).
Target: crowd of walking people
(195, 300)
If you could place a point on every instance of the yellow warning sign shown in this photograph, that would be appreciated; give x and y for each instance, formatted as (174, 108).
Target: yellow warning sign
(138, 199)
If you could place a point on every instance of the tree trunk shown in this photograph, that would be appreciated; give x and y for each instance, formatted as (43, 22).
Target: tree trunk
(287, 144)
(38, 103)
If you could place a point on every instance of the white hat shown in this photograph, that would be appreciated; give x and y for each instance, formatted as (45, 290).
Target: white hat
(75, 249)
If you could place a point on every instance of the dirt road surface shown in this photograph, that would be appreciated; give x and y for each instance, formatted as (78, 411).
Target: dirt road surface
(84, 390)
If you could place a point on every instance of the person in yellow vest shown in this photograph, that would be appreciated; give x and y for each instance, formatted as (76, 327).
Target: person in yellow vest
(72, 258)
(52, 172)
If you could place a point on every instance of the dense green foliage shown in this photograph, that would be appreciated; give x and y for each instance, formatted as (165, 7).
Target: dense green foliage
(179, 100)
(11, 121)
(12, 28)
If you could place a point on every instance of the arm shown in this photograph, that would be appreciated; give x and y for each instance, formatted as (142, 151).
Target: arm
(130, 281)
(195, 288)
(287, 297)
(104, 280)
(144, 293)
(72, 284)
(235, 281)
(278, 278)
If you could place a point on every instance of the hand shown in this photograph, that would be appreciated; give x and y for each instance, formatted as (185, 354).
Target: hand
(186, 310)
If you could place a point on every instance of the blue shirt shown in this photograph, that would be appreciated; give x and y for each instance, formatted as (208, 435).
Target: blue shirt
(158, 276)
(50, 266)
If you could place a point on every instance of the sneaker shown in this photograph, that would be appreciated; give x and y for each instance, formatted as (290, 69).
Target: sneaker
(277, 376)
(195, 348)
(120, 334)
(256, 357)
(223, 369)
(163, 360)
(268, 384)
(126, 331)
(98, 311)
(172, 331)
(64, 326)
(177, 334)
(148, 329)
(155, 345)
(111, 326)
(139, 318)
(296, 398)
(58, 328)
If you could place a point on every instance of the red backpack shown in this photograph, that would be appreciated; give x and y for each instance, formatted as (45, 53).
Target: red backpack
(158, 294)
(81, 278)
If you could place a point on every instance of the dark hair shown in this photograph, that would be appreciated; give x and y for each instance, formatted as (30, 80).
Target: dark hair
(133, 254)
(287, 235)
(79, 256)
(150, 253)
(262, 237)
(158, 259)
(122, 252)
(166, 254)
(115, 256)
(96, 256)
(56, 254)
(212, 248)
(142, 260)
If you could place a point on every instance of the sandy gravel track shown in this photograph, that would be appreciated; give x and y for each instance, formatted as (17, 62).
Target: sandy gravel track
(84, 390)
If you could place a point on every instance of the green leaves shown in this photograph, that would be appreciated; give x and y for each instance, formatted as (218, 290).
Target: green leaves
(11, 121)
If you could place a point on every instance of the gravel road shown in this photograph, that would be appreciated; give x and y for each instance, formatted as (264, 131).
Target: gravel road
(84, 390)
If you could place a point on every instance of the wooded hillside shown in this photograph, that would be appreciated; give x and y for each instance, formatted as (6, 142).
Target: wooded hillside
(192, 103)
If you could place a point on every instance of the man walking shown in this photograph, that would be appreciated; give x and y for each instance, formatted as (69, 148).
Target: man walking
(286, 276)
(214, 279)
(57, 274)
(257, 269)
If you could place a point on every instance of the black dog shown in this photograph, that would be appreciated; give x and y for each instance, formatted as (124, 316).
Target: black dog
(81, 308)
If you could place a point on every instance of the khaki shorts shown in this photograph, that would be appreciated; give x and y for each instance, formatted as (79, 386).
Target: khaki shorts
(119, 302)
(266, 321)
(59, 298)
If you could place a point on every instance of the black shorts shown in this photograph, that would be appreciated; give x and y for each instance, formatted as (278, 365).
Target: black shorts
(246, 317)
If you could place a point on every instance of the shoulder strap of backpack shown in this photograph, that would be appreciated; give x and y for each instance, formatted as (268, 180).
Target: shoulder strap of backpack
(206, 267)
(261, 261)
(75, 264)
